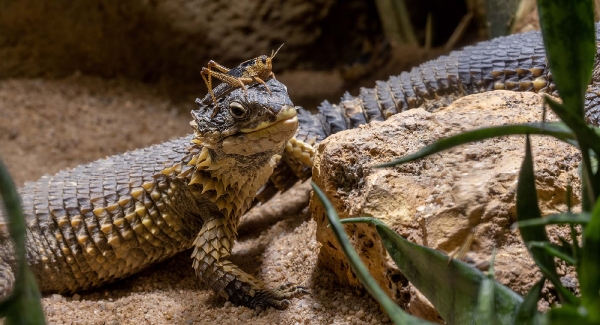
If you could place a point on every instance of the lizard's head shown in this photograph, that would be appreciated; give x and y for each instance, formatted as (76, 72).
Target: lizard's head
(235, 150)
(247, 125)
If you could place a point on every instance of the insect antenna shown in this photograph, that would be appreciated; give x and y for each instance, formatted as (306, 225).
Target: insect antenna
(275, 53)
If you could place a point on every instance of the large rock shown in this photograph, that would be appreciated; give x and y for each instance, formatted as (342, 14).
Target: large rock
(440, 200)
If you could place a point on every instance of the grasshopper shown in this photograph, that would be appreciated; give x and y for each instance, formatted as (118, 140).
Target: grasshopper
(247, 72)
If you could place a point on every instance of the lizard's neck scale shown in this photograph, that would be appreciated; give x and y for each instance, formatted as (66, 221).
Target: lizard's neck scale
(228, 181)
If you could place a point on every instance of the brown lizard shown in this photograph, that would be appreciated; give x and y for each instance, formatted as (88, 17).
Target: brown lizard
(105, 220)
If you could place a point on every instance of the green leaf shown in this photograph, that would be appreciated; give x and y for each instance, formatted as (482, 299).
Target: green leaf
(572, 249)
(587, 138)
(594, 160)
(453, 288)
(570, 42)
(555, 129)
(587, 196)
(575, 248)
(569, 315)
(486, 308)
(527, 208)
(528, 313)
(397, 315)
(15, 218)
(589, 270)
(23, 306)
(557, 219)
(562, 252)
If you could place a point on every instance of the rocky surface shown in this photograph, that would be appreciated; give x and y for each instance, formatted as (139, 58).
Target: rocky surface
(438, 201)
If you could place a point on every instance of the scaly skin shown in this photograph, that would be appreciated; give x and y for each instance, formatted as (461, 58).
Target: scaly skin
(108, 219)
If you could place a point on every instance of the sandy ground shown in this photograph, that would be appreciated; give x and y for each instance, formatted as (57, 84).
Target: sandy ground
(49, 125)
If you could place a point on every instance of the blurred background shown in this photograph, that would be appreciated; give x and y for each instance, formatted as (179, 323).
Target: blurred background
(80, 80)
(167, 42)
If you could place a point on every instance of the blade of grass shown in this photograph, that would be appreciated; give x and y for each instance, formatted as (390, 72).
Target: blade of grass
(589, 269)
(570, 42)
(594, 168)
(404, 22)
(586, 136)
(555, 129)
(568, 315)
(15, 218)
(575, 249)
(389, 22)
(486, 308)
(23, 305)
(557, 219)
(527, 208)
(587, 196)
(428, 31)
(528, 310)
(397, 315)
(562, 252)
(570, 247)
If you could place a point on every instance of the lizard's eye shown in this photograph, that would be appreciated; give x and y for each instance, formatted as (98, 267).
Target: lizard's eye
(237, 110)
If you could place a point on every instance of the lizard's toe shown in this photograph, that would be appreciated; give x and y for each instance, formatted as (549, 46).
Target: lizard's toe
(291, 290)
(278, 298)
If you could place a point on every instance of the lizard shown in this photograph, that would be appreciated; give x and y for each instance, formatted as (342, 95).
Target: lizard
(515, 62)
(105, 220)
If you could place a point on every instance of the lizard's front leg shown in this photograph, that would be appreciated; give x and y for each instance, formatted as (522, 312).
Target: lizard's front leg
(212, 249)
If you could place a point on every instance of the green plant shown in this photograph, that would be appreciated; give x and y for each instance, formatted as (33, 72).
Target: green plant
(472, 297)
(23, 306)
(396, 22)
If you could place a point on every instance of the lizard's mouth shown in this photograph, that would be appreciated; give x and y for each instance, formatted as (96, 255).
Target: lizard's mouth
(287, 112)
(265, 136)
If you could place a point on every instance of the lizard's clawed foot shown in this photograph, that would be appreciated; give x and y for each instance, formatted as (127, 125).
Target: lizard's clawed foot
(277, 298)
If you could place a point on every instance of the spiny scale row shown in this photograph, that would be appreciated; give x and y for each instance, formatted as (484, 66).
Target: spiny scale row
(229, 189)
(230, 196)
(515, 62)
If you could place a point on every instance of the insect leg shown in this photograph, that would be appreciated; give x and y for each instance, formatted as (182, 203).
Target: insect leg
(264, 84)
(207, 72)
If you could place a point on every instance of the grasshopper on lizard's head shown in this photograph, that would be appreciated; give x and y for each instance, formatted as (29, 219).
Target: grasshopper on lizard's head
(254, 70)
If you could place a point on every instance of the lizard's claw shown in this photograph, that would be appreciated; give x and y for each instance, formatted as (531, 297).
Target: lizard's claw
(277, 298)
